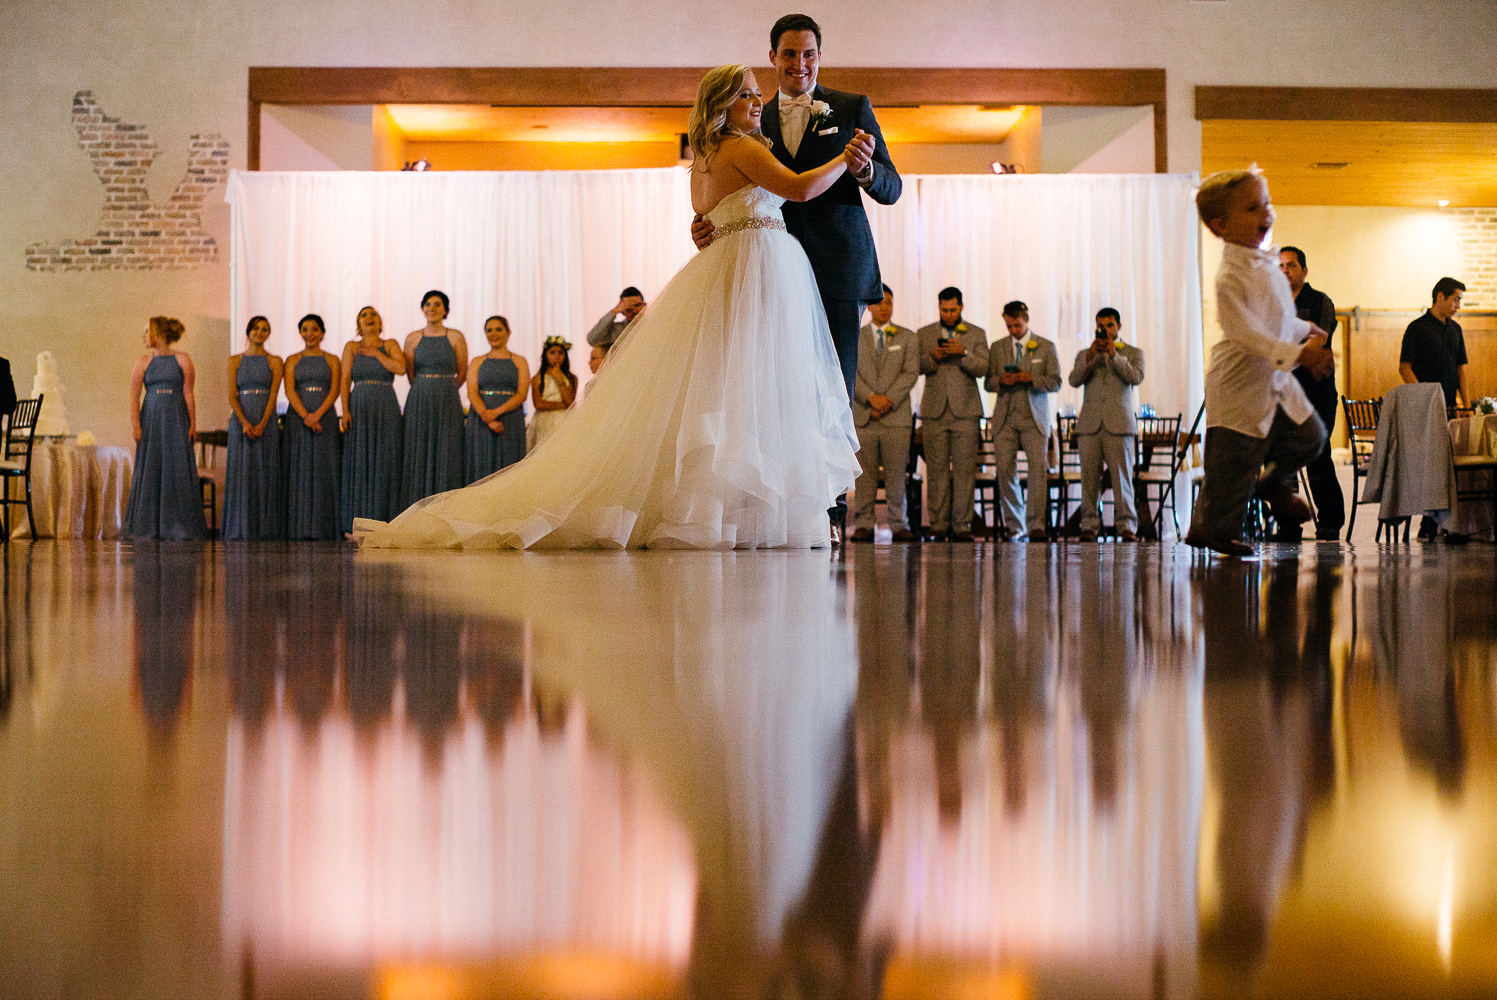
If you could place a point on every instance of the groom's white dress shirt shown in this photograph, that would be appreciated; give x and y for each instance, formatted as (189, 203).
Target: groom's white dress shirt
(795, 112)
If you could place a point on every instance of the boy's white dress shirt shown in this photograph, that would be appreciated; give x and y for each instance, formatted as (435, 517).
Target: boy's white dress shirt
(1249, 379)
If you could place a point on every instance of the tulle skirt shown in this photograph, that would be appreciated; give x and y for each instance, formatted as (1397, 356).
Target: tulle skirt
(720, 420)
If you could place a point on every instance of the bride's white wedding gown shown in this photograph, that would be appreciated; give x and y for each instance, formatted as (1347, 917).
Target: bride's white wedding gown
(720, 420)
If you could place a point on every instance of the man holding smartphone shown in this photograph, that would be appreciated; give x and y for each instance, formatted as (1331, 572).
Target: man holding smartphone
(1106, 429)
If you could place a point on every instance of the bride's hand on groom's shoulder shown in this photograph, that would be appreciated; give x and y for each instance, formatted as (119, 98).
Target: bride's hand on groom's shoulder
(701, 231)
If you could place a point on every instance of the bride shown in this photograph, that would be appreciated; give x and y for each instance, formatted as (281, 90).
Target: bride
(720, 419)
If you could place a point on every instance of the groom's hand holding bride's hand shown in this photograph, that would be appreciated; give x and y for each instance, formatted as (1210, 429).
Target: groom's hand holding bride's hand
(859, 153)
(701, 231)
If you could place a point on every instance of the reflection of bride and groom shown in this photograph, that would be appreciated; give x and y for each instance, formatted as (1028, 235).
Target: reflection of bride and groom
(721, 419)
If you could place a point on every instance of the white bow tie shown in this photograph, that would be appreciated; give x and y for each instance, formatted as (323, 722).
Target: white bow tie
(803, 101)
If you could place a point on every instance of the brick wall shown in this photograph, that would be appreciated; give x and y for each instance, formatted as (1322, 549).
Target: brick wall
(1478, 233)
(135, 233)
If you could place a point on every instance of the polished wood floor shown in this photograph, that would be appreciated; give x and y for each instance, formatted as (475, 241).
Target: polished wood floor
(938, 771)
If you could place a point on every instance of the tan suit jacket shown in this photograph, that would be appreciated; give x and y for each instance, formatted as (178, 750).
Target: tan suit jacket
(891, 374)
(1041, 364)
(1107, 402)
(951, 386)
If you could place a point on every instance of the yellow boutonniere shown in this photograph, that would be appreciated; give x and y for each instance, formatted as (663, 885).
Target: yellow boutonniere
(961, 328)
(1031, 345)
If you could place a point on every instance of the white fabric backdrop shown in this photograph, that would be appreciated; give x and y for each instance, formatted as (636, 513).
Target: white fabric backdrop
(1066, 245)
(551, 250)
(548, 250)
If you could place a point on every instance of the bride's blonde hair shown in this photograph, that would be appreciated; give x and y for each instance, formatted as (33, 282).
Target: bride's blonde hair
(708, 125)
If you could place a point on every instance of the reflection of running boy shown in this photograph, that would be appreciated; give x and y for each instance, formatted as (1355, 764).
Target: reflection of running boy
(1260, 428)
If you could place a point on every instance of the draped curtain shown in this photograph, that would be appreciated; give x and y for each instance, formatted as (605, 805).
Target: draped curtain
(1066, 245)
(551, 251)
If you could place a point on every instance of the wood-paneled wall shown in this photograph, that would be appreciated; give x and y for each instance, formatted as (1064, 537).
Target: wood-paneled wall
(1372, 339)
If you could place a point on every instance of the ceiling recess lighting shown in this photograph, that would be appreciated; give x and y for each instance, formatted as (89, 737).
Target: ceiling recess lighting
(1443, 202)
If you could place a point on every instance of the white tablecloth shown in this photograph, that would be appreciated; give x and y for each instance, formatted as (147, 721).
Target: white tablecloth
(77, 491)
(1474, 435)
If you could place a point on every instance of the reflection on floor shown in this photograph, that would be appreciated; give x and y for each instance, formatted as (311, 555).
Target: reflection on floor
(952, 771)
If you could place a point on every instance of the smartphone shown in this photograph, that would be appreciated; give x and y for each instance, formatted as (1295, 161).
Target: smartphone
(1012, 369)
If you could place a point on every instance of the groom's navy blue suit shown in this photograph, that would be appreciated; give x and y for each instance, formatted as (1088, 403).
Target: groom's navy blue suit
(833, 227)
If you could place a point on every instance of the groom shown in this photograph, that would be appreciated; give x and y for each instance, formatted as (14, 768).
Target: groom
(809, 125)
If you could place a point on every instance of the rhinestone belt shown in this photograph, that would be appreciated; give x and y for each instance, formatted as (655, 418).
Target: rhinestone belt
(752, 222)
(495, 392)
(254, 392)
(432, 375)
(372, 381)
(164, 392)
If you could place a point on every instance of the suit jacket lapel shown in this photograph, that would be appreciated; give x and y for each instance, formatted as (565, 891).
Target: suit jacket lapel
(769, 124)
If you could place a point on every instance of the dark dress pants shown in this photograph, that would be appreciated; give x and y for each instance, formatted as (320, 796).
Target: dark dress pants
(845, 318)
(1325, 487)
(1235, 462)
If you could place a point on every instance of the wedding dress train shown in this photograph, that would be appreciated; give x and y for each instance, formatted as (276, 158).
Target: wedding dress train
(720, 420)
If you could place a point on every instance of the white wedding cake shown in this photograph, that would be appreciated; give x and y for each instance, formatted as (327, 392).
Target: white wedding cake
(53, 419)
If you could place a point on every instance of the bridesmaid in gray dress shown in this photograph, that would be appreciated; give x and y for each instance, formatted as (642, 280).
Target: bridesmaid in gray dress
(496, 411)
(165, 498)
(254, 506)
(437, 358)
(313, 459)
(371, 424)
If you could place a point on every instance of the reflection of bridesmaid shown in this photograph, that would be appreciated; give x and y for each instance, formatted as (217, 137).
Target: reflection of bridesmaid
(164, 583)
(312, 445)
(437, 358)
(371, 424)
(374, 603)
(314, 619)
(255, 616)
(496, 414)
(254, 507)
(165, 501)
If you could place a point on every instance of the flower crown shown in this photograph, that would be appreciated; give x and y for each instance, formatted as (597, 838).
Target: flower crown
(560, 342)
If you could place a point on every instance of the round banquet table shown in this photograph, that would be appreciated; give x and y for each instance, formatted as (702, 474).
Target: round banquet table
(77, 491)
(1474, 436)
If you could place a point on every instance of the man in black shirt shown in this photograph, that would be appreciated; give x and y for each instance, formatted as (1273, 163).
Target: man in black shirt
(1434, 349)
(1317, 307)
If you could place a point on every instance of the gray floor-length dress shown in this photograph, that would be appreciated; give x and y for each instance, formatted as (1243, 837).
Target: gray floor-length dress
(486, 452)
(254, 504)
(433, 458)
(372, 444)
(165, 499)
(313, 460)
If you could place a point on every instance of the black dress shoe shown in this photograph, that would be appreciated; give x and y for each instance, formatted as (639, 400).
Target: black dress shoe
(1222, 546)
(905, 535)
(861, 535)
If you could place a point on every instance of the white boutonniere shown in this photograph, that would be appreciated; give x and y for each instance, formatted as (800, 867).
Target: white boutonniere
(821, 113)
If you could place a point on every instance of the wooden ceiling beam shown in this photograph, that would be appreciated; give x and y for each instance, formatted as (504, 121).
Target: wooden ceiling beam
(559, 86)
(1346, 104)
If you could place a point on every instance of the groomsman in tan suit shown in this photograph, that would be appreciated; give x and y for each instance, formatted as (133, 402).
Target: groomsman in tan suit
(1107, 429)
(953, 355)
(1023, 371)
(888, 367)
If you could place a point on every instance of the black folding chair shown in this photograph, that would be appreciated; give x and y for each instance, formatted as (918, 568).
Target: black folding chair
(15, 463)
(1361, 431)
